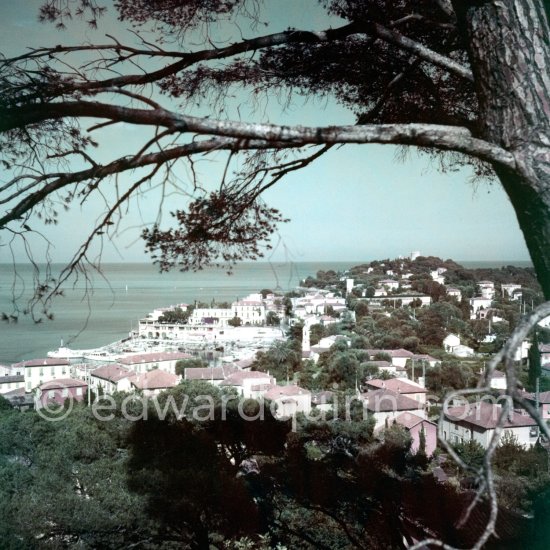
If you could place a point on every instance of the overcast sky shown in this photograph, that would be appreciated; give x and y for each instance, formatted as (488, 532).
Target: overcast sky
(354, 203)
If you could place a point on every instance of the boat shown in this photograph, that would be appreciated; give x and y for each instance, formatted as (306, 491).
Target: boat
(66, 353)
(103, 356)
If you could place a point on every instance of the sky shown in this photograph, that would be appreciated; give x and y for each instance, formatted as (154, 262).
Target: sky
(355, 203)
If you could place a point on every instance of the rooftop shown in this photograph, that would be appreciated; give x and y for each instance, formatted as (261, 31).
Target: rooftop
(62, 383)
(385, 400)
(155, 379)
(485, 415)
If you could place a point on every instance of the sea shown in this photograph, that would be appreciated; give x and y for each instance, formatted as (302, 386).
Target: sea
(107, 308)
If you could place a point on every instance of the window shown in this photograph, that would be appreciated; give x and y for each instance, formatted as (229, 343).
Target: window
(41, 373)
(28, 373)
(52, 371)
(78, 391)
(51, 393)
(65, 392)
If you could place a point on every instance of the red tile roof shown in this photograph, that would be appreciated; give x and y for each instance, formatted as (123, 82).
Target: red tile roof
(153, 357)
(276, 392)
(48, 362)
(410, 420)
(62, 383)
(209, 373)
(112, 372)
(386, 401)
(485, 415)
(237, 378)
(397, 385)
(155, 379)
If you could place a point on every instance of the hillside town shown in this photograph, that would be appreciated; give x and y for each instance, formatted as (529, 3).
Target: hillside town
(392, 337)
(389, 328)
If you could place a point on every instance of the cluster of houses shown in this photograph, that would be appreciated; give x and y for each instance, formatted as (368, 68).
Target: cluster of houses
(390, 401)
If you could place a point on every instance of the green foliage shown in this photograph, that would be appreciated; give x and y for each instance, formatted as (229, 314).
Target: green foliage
(176, 316)
(4, 404)
(471, 452)
(272, 319)
(449, 375)
(316, 332)
(235, 322)
(535, 369)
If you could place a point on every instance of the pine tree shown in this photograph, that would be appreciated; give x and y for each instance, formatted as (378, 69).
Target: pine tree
(534, 363)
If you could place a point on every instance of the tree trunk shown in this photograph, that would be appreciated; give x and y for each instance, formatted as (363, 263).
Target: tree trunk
(509, 47)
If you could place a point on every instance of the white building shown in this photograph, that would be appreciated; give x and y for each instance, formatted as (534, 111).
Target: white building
(386, 406)
(213, 316)
(478, 303)
(477, 422)
(249, 385)
(290, 400)
(455, 293)
(450, 342)
(389, 284)
(511, 291)
(251, 310)
(38, 371)
(143, 362)
(111, 378)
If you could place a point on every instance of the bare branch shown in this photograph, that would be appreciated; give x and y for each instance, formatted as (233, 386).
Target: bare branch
(422, 51)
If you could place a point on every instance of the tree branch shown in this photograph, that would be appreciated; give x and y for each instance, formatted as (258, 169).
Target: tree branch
(422, 51)
(450, 138)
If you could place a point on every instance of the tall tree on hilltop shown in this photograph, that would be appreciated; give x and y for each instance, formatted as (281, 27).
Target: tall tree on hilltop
(469, 77)
(535, 370)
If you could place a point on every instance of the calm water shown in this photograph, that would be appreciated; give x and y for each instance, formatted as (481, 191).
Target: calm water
(130, 291)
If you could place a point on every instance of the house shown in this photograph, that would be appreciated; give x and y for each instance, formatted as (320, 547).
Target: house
(249, 385)
(216, 317)
(463, 351)
(322, 400)
(290, 400)
(214, 375)
(143, 362)
(414, 424)
(59, 390)
(498, 380)
(38, 371)
(389, 284)
(437, 276)
(398, 357)
(543, 403)
(478, 303)
(251, 310)
(454, 293)
(477, 422)
(400, 385)
(511, 291)
(486, 289)
(111, 378)
(12, 382)
(450, 342)
(383, 366)
(545, 355)
(424, 358)
(386, 405)
(154, 381)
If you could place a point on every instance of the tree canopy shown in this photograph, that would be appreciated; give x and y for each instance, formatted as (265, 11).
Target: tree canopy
(434, 74)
